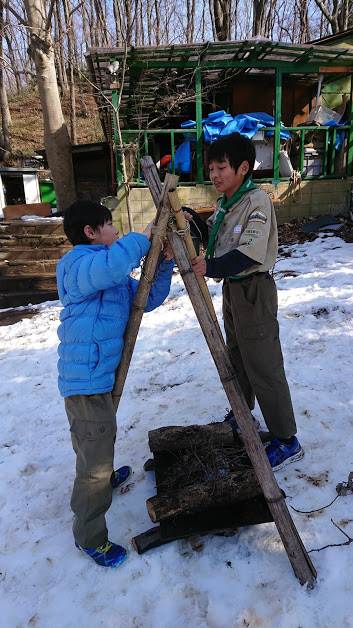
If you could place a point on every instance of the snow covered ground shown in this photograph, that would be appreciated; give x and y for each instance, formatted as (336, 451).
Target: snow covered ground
(241, 581)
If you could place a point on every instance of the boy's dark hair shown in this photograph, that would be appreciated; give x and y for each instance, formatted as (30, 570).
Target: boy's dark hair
(236, 148)
(80, 214)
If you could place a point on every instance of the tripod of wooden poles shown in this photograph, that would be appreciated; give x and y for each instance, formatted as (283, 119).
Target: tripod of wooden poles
(171, 223)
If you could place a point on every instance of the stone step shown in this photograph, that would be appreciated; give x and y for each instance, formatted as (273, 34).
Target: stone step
(33, 227)
(17, 268)
(28, 253)
(15, 299)
(28, 283)
(32, 240)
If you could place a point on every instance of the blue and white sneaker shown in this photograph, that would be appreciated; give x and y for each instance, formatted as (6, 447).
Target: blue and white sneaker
(120, 476)
(107, 555)
(280, 454)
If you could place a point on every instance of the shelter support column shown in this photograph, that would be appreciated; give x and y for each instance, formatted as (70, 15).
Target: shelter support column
(350, 134)
(278, 115)
(198, 101)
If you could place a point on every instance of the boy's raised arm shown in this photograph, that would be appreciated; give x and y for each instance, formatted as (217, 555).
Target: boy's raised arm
(107, 268)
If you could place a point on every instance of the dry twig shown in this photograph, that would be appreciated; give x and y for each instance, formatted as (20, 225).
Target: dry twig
(348, 542)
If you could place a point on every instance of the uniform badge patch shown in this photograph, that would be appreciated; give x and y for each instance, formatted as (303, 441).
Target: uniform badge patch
(237, 229)
(258, 216)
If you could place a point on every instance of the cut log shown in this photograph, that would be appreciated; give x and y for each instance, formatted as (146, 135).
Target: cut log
(218, 520)
(236, 487)
(223, 520)
(181, 437)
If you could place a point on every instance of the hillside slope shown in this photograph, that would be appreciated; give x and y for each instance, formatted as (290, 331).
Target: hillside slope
(27, 121)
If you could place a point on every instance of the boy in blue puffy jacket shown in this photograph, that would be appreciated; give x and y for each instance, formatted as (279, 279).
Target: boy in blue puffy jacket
(97, 293)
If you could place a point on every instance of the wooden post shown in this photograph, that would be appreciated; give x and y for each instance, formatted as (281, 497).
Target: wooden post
(301, 563)
(147, 275)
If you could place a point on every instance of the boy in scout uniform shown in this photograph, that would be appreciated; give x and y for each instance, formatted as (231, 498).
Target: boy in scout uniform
(241, 250)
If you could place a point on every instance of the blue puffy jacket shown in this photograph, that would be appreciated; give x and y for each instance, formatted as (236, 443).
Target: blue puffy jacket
(97, 294)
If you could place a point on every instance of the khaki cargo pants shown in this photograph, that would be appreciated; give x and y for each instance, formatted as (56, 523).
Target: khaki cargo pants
(252, 334)
(93, 428)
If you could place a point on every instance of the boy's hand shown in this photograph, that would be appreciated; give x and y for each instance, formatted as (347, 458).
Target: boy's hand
(167, 252)
(188, 216)
(199, 265)
(148, 230)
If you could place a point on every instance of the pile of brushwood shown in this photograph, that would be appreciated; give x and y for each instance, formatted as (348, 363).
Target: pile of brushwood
(308, 229)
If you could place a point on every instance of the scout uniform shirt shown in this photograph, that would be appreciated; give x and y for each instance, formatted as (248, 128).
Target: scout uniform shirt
(249, 226)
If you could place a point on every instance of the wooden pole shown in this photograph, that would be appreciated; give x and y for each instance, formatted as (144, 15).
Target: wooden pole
(147, 275)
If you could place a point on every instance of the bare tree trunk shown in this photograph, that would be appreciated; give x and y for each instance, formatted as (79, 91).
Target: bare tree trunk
(142, 25)
(59, 51)
(212, 16)
(86, 38)
(190, 20)
(4, 105)
(203, 20)
(56, 137)
(118, 23)
(259, 18)
(303, 20)
(93, 25)
(337, 14)
(101, 23)
(221, 10)
(158, 22)
(137, 23)
(70, 49)
(128, 21)
(236, 17)
(12, 57)
(149, 22)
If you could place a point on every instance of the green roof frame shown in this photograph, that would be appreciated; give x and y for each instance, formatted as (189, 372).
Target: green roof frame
(148, 66)
(204, 65)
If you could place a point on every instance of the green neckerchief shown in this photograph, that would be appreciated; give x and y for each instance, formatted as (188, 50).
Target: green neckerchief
(225, 205)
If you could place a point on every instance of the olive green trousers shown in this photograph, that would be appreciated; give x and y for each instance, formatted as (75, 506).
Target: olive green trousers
(92, 421)
(252, 336)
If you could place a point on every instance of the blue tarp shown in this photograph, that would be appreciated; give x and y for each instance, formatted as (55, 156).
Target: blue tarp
(222, 123)
(182, 157)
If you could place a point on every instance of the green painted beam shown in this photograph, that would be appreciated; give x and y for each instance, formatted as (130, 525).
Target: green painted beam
(302, 139)
(325, 160)
(286, 66)
(278, 115)
(333, 150)
(198, 99)
(350, 134)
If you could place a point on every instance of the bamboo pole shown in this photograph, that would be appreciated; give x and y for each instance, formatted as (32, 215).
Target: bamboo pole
(147, 275)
